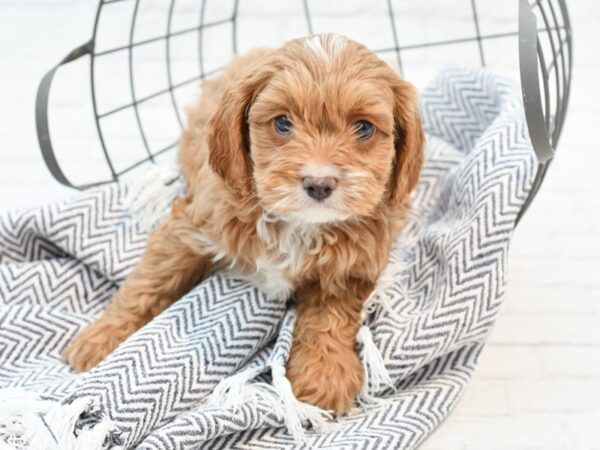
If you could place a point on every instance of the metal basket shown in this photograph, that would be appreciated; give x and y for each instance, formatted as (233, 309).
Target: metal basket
(541, 37)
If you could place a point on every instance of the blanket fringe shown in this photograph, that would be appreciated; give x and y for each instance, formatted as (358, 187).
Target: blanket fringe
(382, 296)
(95, 437)
(295, 412)
(376, 374)
(37, 424)
(231, 392)
(20, 416)
(237, 390)
(150, 196)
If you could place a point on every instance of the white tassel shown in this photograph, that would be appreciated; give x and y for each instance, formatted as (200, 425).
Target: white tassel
(61, 420)
(261, 391)
(295, 412)
(21, 416)
(231, 392)
(94, 438)
(150, 196)
(15, 400)
(376, 374)
(48, 425)
(238, 390)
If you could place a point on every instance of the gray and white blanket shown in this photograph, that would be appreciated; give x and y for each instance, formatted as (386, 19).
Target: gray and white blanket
(209, 371)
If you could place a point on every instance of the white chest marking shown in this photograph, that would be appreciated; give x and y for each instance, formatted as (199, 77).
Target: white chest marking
(270, 278)
(285, 246)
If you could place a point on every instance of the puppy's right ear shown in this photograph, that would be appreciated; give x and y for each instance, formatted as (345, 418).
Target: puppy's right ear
(227, 134)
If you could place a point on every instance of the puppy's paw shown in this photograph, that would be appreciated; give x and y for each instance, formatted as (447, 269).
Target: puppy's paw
(94, 343)
(329, 380)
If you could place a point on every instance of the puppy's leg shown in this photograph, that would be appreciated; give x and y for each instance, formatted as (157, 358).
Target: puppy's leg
(170, 266)
(323, 367)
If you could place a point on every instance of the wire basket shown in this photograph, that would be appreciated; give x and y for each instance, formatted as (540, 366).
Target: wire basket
(145, 59)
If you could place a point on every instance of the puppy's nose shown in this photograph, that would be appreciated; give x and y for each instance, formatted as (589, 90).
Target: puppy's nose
(319, 188)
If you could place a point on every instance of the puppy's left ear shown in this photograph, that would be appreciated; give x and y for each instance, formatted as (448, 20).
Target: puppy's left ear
(227, 132)
(409, 141)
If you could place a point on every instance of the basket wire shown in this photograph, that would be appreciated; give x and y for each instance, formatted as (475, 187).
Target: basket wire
(544, 51)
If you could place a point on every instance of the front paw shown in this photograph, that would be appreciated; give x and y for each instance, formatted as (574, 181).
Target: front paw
(330, 380)
(94, 343)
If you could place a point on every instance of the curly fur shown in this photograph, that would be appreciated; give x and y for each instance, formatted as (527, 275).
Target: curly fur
(246, 207)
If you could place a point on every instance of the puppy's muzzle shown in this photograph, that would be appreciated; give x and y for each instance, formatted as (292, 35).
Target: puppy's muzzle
(319, 188)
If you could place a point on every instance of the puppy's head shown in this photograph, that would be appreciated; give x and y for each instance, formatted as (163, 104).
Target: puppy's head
(319, 130)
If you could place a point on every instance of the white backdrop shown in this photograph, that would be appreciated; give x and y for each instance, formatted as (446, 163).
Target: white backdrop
(538, 384)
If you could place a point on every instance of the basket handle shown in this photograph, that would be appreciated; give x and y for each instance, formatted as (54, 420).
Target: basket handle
(530, 83)
(41, 115)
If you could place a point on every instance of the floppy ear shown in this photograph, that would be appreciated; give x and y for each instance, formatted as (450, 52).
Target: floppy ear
(227, 132)
(409, 142)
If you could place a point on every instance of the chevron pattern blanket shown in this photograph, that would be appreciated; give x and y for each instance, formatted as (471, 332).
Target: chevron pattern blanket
(209, 372)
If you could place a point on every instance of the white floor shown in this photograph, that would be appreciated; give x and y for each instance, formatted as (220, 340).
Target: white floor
(538, 382)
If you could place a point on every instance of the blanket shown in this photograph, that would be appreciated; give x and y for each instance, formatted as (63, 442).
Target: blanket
(209, 372)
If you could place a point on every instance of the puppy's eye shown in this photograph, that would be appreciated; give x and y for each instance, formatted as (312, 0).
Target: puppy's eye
(283, 125)
(363, 129)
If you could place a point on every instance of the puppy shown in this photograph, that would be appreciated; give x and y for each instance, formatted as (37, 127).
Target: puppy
(299, 163)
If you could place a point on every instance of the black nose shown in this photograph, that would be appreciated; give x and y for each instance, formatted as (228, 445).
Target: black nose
(319, 188)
